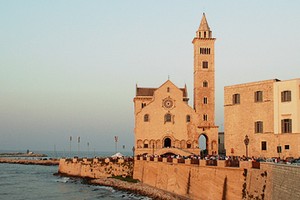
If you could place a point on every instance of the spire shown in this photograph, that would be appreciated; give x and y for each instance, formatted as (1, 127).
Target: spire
(204, 25)
(203, 30)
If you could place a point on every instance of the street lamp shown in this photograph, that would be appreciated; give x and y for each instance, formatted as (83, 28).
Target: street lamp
(133, 149)
(246, 141)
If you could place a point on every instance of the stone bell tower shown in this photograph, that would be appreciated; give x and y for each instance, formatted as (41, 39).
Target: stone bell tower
(204, 85)
(204, 74)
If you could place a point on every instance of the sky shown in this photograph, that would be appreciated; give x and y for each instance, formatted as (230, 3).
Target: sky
(70, 68)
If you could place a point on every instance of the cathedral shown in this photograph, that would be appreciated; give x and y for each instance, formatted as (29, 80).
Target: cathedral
(164, 121)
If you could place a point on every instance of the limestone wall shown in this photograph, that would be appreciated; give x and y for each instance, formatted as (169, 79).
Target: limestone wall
(198, 181)
(285, 182)
(95, 168)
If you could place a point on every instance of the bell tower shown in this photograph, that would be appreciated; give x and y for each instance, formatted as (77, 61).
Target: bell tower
(204, 75)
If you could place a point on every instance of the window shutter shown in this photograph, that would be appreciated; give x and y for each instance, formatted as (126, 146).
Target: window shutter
(282, 126)
(290, 125)
(289, 95)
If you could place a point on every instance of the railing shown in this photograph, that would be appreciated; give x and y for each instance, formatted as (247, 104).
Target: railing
(232, 163)
(169, 159)
(181, 160)
(255, 165)
(211, 162)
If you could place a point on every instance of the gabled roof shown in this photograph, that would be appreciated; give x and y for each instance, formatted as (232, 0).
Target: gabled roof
(150, 91)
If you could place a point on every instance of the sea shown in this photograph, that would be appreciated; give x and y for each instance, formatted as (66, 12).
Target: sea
(26, 182)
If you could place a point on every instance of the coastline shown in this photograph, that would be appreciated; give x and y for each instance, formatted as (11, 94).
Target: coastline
(29, 161)
(137, 188)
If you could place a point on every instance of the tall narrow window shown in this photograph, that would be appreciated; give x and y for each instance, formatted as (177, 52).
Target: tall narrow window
(286, 96)
(205, 117)
(205, 84)
(286, 126)
(168, 117)
(188, 118)
(258, 96)
(263, 145)
(258, 127)
(146, 118)
(205, 65)
(236, 99)
(204, 34)
(205, 100)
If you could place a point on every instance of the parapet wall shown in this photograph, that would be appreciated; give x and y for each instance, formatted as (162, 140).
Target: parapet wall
(95, 168)
(196, 180)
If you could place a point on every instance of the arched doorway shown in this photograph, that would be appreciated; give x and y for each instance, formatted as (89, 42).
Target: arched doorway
(203, 141)
(167, 142)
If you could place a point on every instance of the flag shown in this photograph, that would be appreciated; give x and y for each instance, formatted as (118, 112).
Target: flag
(116, 138)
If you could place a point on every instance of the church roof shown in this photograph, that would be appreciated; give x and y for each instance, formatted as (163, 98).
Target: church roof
(150, 91)
(145, 91)
(204, 25)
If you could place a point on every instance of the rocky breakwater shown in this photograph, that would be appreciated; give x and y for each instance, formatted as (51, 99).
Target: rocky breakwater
(30, 161)
(138, 188)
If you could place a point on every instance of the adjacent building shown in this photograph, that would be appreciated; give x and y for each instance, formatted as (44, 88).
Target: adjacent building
(268, 113)
(164, 121)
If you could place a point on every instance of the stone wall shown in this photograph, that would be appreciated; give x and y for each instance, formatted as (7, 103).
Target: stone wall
(95, 168)
(286, 183)
(199, 181)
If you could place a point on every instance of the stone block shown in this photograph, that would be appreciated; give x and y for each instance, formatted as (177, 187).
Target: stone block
(221, 163)
(187, 161)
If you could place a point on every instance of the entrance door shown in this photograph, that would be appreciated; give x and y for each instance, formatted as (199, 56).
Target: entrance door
(203, 145)
(167, 142)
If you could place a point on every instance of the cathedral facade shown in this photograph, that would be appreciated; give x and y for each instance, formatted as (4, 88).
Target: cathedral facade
(164, 121)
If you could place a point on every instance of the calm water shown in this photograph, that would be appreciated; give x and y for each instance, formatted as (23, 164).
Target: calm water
(38, 182)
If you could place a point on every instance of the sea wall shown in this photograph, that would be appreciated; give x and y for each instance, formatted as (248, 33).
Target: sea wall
(197, 180)
(95, 168)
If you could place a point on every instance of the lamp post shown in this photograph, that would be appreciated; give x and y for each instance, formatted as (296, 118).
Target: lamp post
(78, 147)
(246, 141)
(133, 149)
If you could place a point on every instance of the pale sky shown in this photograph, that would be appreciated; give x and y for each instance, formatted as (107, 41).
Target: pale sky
(69, 68)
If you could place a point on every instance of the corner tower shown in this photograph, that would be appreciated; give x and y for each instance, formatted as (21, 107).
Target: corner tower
(204, 75)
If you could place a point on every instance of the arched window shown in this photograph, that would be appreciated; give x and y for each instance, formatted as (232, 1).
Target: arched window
(168, 117)
(146, 118)
(205, 84)
(188, 118)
